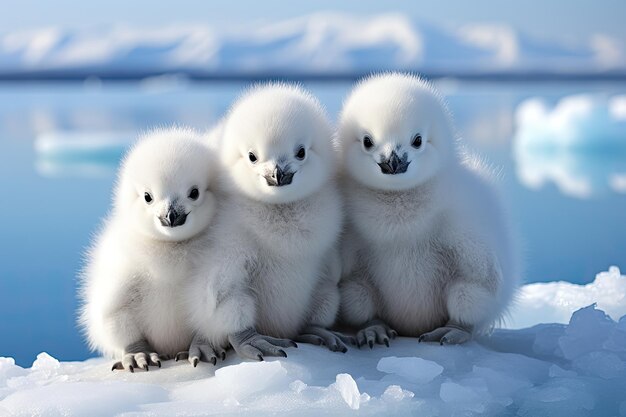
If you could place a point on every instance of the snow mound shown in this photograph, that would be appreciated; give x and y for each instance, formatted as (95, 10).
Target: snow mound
(320, 43)
(575, 369)
(554, 302)
(579, 145)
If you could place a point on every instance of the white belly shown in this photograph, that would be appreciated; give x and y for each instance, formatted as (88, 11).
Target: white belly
(410, 288)
(163, 320)
(284, 293)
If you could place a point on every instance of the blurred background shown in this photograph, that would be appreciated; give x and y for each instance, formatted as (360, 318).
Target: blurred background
(539, 88)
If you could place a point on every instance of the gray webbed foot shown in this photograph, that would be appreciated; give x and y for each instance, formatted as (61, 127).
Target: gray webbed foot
(376, 331)
(317, 335)
(451, 334)
(201, 350)
(251, 345)
(139, 355)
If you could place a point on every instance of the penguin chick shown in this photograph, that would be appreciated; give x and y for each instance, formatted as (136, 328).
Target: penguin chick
(163, 204)
(427, 252)
(272, 271)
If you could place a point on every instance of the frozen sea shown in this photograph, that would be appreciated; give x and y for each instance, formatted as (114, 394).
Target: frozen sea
(61, 144)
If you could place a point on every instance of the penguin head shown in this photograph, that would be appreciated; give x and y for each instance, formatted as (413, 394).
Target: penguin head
(277, 144)
(395, 132)
(165, 188)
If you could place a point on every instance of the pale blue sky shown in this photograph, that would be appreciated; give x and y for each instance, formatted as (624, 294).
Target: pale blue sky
(567, 19)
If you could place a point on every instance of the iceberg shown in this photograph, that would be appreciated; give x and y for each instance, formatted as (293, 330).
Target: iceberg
(80, 153)
(579, 144)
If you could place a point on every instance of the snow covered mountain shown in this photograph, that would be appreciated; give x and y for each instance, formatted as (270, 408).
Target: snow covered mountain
(323, 44)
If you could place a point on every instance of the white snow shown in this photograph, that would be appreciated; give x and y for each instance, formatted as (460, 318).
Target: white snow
(554, 302)
(320, 43)
(579, 144)
(573, 369)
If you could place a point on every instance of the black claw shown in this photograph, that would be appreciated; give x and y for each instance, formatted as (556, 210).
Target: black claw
(294, 344)
(214, 360)
(370, 343)
(223, 355)
(394, 334)
(344, 349)
(131, 369)
(386, 341)
(195, 361)
(420, 339)
(441, 341)
(158, 363)
(260, 358)
(145, 368)
(114, 367)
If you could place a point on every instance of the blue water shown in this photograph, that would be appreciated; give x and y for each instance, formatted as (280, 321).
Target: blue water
(51, 206)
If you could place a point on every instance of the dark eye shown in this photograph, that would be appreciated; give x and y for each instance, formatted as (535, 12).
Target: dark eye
(367, 142)
(148, 197)
(252, 157)
(301, 153)
(194, 194)
(417, 141)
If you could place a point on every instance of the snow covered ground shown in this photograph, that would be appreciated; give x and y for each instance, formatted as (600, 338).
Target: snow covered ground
(574, 369)
(316, 44)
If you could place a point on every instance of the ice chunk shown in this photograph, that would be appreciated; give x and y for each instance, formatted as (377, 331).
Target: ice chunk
(8, 369)
(46, 364)
(617, 338)
(396, 393)
(588, 331)
(416, 370)
(297, 386)
(500, 384)
(603, 364)
(264, 376)
(453, 392)
(564, 397)
(471, 395)
(346, 385)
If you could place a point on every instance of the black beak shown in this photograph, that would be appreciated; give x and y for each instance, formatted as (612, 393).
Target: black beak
(394, 164)
(279, 177)
(173, 218)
